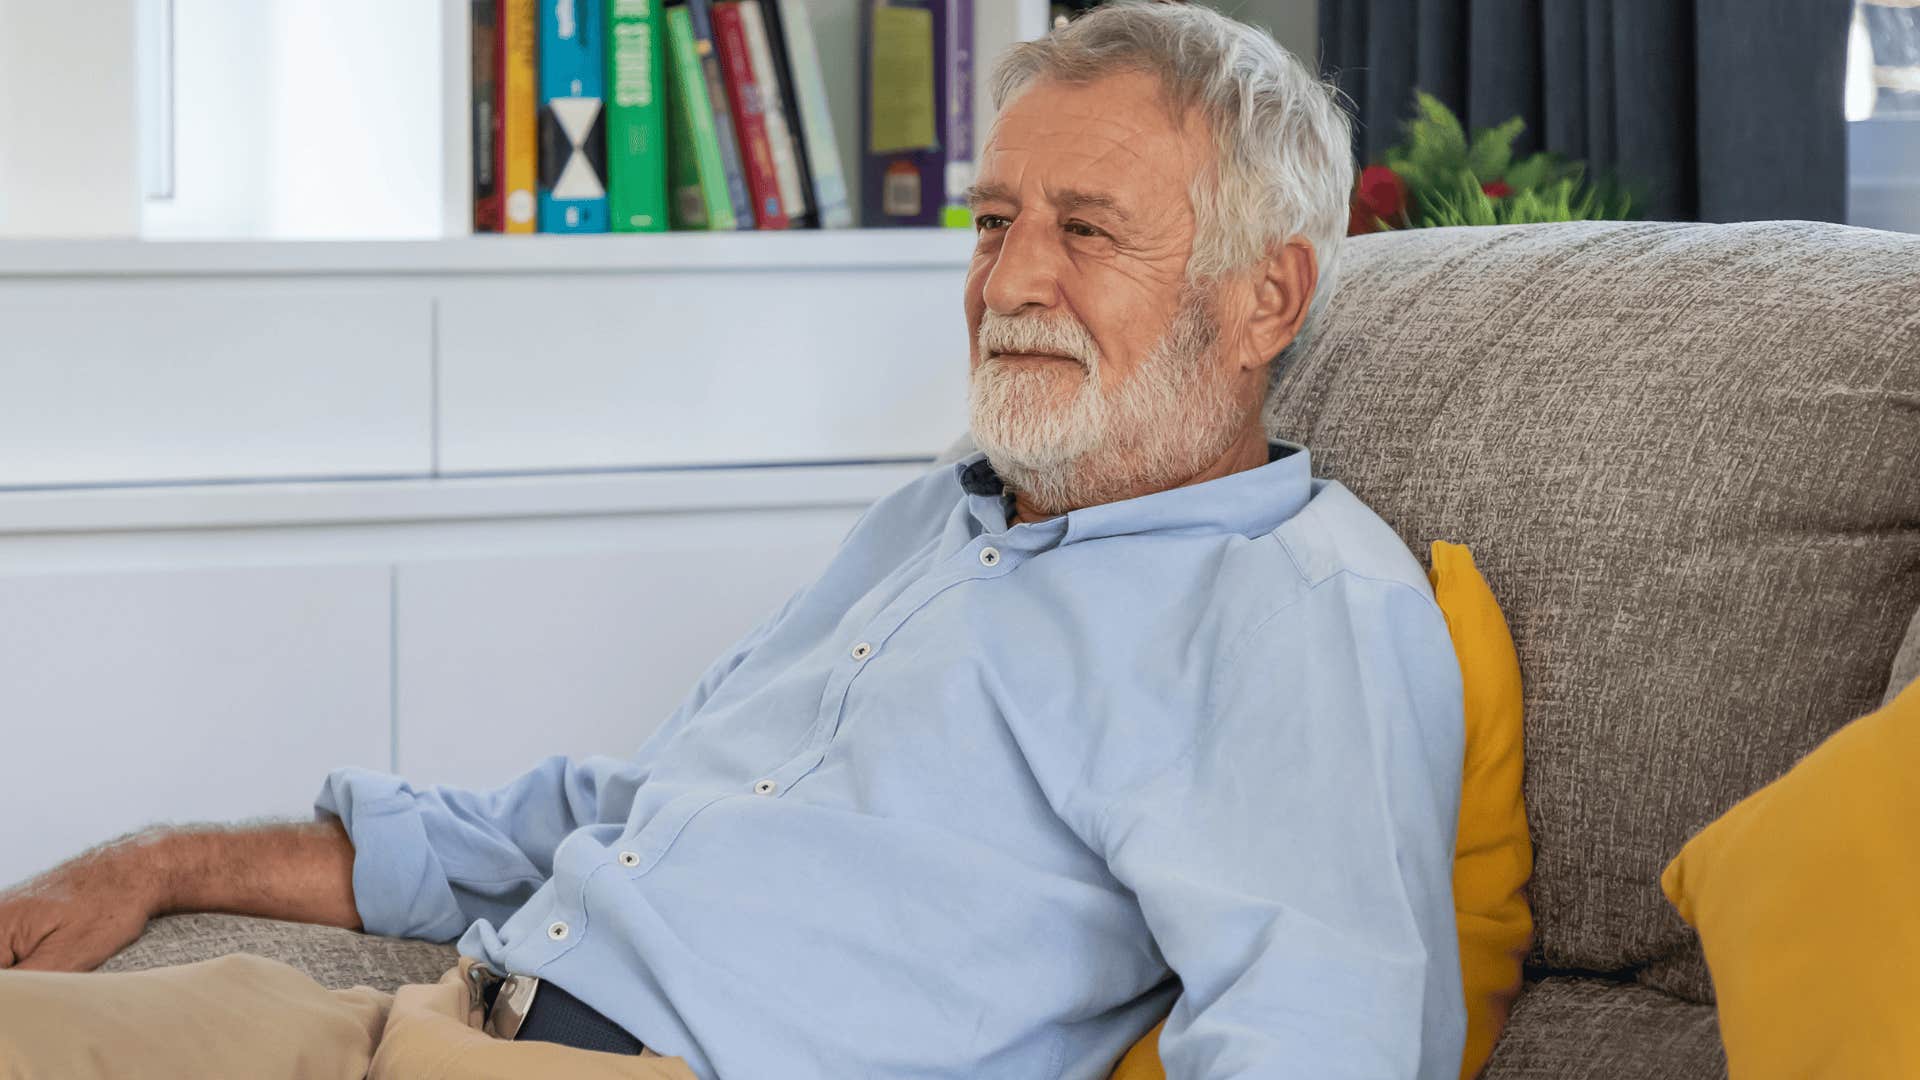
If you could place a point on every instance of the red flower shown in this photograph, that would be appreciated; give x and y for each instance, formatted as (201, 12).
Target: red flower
(1382, 195)
(1498, 189)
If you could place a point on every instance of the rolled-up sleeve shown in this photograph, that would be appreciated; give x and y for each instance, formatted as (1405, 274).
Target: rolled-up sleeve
(1294, 863)
(428, 862)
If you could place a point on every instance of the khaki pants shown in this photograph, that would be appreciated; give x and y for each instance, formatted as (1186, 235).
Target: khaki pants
(245, 1016)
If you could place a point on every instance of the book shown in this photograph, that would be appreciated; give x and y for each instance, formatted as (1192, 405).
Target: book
(822, 158)
(916, 138)
(700, 16)
(573, 135)
(517, 109)
(773, 110)
(483, 17)
(805, 214)
(749, 121)
(957, 108)
(636, 118)
(695, 172)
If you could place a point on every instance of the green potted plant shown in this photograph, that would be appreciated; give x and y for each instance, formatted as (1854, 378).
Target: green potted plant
(1438, 176)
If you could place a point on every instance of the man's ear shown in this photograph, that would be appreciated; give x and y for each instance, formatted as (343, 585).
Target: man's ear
(1282, 295)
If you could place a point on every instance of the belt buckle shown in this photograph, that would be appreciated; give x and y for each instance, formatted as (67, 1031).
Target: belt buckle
(510, 1005)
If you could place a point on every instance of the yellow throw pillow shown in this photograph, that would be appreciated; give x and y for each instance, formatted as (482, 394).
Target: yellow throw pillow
(1492, 852)
(1806, 896)
(1142, 1060)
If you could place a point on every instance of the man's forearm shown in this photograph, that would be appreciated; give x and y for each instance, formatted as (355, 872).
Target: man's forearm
(301, 872)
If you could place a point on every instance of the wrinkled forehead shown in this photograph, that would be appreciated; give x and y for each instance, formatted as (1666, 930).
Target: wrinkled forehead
(1110, 143)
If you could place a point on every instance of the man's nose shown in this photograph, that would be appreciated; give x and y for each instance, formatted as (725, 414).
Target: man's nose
(1026, 271)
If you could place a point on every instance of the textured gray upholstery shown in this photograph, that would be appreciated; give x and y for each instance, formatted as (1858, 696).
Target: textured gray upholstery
(332, 957)
(1592, 1029)
(1685, 457)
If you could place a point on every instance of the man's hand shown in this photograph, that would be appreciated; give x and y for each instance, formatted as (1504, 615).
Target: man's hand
(81, 912)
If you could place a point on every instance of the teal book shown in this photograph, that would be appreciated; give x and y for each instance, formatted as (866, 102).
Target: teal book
(697, 178)
(636, 117)
(572, 121)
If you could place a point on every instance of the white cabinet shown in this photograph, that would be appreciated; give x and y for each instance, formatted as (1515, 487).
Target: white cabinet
(131, 698)
(503, 497)
(778, 366)
(209, 653)
(189, 362)
(505, 661)
(144, 382)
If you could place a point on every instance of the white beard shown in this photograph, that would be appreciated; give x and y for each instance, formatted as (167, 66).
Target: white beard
(1175, 415)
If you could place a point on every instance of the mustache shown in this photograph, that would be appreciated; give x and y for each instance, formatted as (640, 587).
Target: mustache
(1057, 334)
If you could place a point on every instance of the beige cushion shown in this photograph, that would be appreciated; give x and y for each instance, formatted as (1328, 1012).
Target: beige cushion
(1685, 456)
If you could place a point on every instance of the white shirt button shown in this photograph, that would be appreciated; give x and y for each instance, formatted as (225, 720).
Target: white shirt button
(628, 858)
(558, 931)
(862, 651)
(989, 556)
(765, 787)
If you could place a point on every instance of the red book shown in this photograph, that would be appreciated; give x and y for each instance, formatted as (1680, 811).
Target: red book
(489, 61)
(756, 150)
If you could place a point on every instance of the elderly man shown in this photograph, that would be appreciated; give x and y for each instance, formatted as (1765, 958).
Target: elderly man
(1123, 713)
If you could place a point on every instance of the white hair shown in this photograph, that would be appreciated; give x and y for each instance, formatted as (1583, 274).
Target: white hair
(1283, 162)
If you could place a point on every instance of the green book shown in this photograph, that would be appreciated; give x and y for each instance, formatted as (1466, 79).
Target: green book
(699, 182)
(636, 118)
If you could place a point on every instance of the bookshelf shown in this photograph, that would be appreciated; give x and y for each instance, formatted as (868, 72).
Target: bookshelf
(184, 126)
(181, 129)
(837, 30)
(827, 250)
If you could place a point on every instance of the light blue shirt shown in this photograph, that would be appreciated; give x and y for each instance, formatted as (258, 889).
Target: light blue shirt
(969, 801)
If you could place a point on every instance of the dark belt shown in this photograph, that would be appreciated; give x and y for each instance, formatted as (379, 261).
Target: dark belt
(527, 1009)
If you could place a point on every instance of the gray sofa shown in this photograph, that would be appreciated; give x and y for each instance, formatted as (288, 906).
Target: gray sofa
(1687, 458)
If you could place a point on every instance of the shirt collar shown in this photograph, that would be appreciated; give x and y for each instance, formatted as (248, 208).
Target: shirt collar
(1251, 502)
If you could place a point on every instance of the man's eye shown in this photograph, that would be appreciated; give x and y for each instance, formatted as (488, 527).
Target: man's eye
(984, 222)
(1081, 228)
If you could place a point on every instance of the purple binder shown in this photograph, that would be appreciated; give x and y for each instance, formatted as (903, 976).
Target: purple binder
(918, 186)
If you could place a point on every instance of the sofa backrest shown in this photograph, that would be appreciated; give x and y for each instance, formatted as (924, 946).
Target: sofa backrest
(1687, 458)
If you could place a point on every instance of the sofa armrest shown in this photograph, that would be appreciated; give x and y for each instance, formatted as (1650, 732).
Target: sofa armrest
(333, 957)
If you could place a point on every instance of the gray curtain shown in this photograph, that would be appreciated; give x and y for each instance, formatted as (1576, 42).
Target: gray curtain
(1714, 110)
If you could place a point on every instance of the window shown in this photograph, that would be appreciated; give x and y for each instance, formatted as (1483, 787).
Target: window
(1883, 65)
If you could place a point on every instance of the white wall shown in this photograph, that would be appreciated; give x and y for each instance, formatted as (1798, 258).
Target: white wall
(291, 119)
(222, 69)
(297, 119)
(68, 157)
(356, 118)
